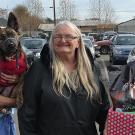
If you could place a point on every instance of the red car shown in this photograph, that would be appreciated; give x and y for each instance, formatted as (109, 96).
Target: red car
(104, 46)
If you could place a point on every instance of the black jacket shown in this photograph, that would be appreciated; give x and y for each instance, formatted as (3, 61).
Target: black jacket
(129, 72)
(45, 113)
(126, 75)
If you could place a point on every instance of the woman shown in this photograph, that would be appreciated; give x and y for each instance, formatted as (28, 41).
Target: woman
(6, 101)
(62, 94)
(7, 125)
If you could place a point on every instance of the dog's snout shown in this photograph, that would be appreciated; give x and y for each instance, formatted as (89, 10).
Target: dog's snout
(11, 44)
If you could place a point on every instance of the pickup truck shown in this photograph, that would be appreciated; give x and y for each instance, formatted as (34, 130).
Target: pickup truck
(104, 46)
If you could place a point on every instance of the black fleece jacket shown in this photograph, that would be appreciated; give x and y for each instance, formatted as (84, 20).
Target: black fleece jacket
(45, 113)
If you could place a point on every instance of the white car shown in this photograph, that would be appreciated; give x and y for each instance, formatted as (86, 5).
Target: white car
(131, 56)
(89, 44)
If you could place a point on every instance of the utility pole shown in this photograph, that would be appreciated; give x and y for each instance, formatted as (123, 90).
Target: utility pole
(99, 4)
(54, 12)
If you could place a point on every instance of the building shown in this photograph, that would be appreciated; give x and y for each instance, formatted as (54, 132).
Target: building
(127, 26)
(85, 26)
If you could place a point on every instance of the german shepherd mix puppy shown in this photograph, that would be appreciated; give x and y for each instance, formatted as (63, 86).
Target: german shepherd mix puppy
(12, 58)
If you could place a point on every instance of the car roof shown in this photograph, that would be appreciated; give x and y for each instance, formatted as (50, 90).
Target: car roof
(34, 39)
(125, 35)
(85, 38)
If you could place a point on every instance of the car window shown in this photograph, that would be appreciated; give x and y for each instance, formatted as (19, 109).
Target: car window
(114, 40)
(87, 43)
(33, 44)
(126, 40)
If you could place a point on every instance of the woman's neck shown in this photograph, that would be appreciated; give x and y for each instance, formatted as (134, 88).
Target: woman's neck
(69, 63)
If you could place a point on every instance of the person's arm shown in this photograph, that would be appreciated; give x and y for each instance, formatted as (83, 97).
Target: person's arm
(104, 107)
(28, 113)
(6, 101)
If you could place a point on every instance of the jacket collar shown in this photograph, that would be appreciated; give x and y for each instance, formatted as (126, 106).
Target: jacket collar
(47, 60)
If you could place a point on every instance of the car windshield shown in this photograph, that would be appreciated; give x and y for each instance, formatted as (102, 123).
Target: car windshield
(87, 42)
(33, 44)
(126, 40)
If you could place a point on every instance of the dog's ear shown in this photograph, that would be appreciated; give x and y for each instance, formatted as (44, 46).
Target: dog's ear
(13, 22)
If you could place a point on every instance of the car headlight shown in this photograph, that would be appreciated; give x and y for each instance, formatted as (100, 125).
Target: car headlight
(37, 54)
(28, 52)
(116, 51)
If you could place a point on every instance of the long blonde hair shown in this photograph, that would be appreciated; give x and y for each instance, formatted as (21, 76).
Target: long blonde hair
(84, 68)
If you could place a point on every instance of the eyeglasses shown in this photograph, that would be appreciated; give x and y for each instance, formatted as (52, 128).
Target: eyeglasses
(66, 37)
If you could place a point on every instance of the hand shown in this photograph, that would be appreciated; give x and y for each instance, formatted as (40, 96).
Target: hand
(105, 132)
(132, 91)
(105, 129)
(3, 110)
(9, 78)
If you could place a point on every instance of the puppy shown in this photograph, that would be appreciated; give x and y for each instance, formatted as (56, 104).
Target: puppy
(12, 58)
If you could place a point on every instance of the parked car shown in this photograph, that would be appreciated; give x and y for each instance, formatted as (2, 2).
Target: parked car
(92, 39)
(121, 46)
(34, 44)
(108, 34)
(131, 56)
(104, 46)
(23, 38)
(90, 45)
(29, 54)
(83, 35)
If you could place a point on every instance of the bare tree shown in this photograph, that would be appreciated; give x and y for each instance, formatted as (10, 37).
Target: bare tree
(23, 16)
(108, 13)
(101, 10)
(35, 9)
(67, 10)
(27, 21)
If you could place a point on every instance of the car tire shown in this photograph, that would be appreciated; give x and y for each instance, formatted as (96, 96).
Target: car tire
(104, 50)
(112, 60)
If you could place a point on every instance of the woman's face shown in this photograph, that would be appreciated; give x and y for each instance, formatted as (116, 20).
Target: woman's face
(65, 41)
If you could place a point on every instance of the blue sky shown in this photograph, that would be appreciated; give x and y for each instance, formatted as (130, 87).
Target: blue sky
(124, 9)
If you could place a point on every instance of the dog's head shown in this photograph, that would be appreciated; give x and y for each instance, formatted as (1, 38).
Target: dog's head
(9, 43)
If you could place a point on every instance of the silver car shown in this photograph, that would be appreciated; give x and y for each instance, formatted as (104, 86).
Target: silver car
(131, 56)
(88, 43)
(34, 44)
(120, 48)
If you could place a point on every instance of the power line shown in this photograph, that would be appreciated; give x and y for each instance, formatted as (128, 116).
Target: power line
(124, 10)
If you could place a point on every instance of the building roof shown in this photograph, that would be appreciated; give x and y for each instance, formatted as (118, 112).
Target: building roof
(79, 23)
(126, 21)
(85, 22)
(46, 27)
